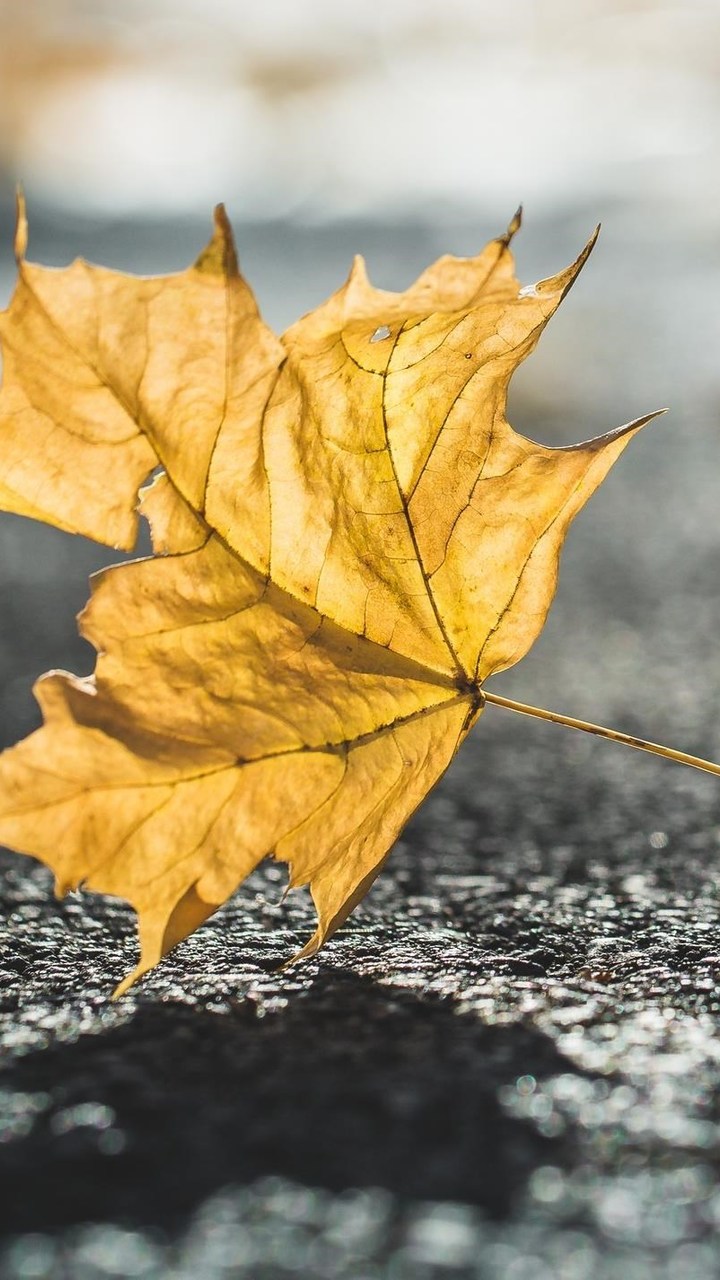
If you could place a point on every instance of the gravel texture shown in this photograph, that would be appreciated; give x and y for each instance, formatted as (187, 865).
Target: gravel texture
(507, 1064)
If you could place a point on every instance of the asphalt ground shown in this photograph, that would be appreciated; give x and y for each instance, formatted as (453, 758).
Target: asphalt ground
(506, 1065)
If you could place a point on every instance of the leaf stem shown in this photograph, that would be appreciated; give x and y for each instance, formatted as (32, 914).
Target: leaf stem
(681, 757)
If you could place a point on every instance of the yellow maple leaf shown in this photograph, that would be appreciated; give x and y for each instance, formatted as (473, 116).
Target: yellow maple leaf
(349, 539)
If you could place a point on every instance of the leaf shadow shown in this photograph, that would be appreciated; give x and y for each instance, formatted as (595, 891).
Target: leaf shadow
(351, 1084)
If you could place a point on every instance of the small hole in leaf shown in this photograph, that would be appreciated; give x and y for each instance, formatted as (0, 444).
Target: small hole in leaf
(382, 331)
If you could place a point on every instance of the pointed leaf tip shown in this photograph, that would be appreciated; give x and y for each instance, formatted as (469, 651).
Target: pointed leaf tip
(599, 442)
(513, 226)
(562, 283)
(358, 273)
(567, 278)
(637, 423)
(21, 225)
(219, 257)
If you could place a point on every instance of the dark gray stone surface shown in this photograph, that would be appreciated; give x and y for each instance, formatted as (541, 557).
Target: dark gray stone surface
(507, 1065)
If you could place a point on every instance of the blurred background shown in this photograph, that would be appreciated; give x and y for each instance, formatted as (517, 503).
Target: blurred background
(404, 131)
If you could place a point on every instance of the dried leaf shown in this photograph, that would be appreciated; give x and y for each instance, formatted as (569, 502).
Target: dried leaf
(349, 539)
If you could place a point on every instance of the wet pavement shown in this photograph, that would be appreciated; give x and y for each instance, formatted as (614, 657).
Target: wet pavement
(507, 1064)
